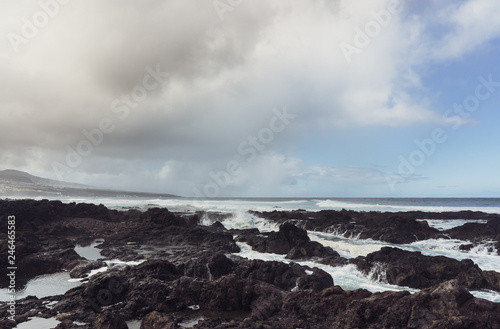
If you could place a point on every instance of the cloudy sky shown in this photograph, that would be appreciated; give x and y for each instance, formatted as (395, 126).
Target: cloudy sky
(254, 97)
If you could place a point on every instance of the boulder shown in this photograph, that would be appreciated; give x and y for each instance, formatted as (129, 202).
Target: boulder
(309, 249)
(109, 320)
(156, 320)
(83, 269)
(412, 269)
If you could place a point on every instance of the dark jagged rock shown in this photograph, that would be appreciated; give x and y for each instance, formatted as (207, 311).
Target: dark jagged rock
(285, 239)
(207, 267)
(478, 232)
(392, 228)
(229, 293)
(447, 305)
(157, 269)
(281, 242)
(162, 217)
(466, 247)
(155, 320)
(47, 262)
(109, 320)
(317, 281)
(412, 269)
(84, 268)
(396, 229)
(283, 276)
(400, 227)
(493, 279)
(309, 249)
(187, 267)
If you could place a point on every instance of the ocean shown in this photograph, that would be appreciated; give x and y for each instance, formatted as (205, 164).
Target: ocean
(348, 277)
(488, 205)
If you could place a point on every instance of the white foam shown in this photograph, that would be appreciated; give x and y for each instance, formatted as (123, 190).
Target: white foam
(446, 224)
(363, 206)
(348, 248)
(487, 294)
(245, 220)
(484, 254)
(348, 277)
(109, 264)
(190, 323)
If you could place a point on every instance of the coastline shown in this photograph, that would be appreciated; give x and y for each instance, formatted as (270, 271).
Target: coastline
(190, 260)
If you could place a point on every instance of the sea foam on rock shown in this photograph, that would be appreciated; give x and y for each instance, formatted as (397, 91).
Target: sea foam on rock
(414, 270)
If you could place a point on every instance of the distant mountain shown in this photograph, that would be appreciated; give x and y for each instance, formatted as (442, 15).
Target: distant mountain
(21, 177)
(15, 183)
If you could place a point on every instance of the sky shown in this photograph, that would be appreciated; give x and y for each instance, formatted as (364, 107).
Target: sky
(260, 98)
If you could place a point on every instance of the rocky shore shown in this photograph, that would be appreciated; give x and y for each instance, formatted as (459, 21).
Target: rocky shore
(188, 271)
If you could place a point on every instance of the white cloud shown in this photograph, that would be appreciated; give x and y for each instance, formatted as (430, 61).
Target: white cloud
(458, 29)
(225, 79)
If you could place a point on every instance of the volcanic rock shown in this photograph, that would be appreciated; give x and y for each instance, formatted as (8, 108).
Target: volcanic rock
(109, 320)
(412, 269)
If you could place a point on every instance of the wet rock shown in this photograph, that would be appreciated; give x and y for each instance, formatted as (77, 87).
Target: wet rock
(309, 249)
(217, 227)
(157, 269)
(447, 305)
(493, 280)
(162, 217)
(156, 320)
(317, 281)
(188, 269)
(466, 247)
(109, 320)
(283, 276)
(48, 262)
(7, 324)
(415, 270)
(281, 242)
(390, 227)
(83, 269)
(210, 267)
(105, 289)
(285, 239)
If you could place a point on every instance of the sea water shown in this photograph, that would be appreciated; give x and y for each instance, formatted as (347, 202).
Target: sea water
(488, 205)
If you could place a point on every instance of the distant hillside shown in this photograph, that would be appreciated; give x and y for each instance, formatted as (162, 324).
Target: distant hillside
(15, 183)
(21, 177)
